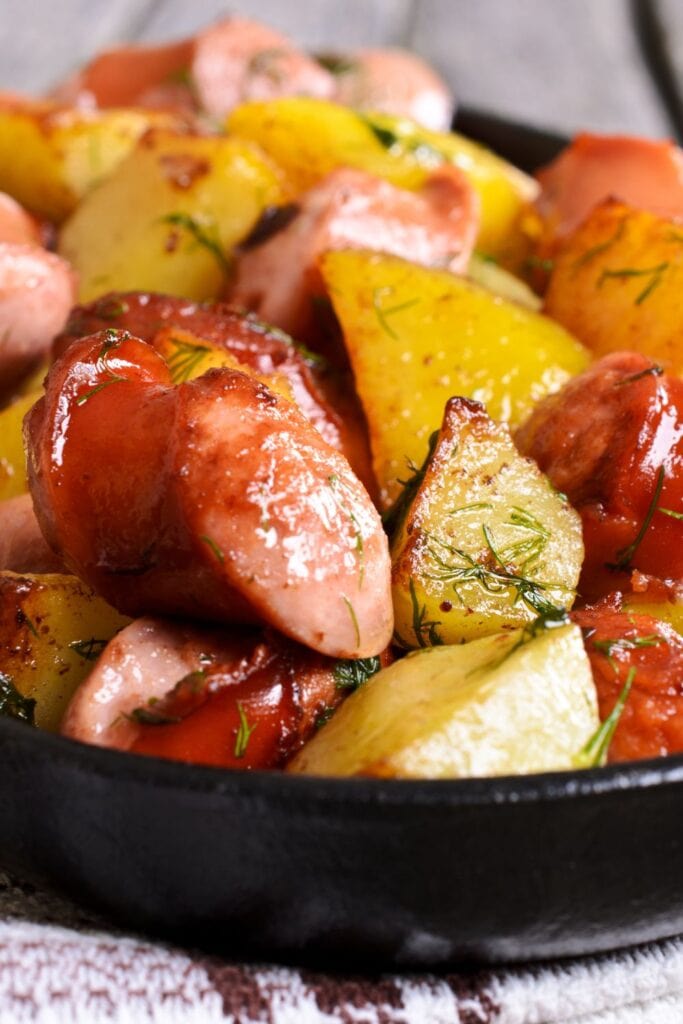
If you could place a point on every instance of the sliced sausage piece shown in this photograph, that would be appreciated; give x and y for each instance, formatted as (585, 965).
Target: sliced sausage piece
(239, 60)
(37, 290)
(397, 82)
(325, 396)
(232, 61)
(612, 441)
(242, 700)
(22, 545)
(214, 499)
(644, 173)
(620, 645)
(437, 226)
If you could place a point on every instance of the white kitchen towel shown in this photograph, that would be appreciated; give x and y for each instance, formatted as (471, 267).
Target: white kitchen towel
(58, 965)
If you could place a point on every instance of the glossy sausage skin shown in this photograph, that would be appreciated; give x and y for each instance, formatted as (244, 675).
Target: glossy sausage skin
(619, 644)
(644, 173)
(246, 699)
(437, 226)
(225, 64)
(325, 396)
(214, 499)
(396, 82)
(612, 441)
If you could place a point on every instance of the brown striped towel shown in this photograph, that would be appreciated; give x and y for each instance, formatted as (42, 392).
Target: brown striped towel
(59, 964)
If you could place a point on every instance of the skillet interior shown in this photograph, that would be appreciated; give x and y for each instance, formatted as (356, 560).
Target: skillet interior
(354, 872)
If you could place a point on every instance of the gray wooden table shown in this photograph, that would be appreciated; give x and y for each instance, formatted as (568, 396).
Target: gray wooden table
(611, 65)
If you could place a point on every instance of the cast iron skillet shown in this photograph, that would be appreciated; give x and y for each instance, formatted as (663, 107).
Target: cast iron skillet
(363, 872)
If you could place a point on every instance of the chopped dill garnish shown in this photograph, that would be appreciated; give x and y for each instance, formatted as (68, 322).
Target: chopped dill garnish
(13, 704)
(393, 518)
(211, 544)
(148, 716)
(670, 512)
(474, 506)
(90, 649)
(384, 313)
(384, 135)
(112, 339)
(199, 233)
(359, 545)
(243, 733)
(594, 753)
(651, 371)
(625, 555)
(601, 247)
(354, 618)
(185, 360)
(24, 620)
(353, 672)
(424, 629)
(654, 273)
(324, 717)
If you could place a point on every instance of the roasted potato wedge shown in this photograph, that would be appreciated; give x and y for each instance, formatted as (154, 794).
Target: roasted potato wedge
(12, 456)
(486, 544)
(507, 704)
(416, 337)
(617, 283)
(51, 155)
(51, 630)
(169, 216)
(308, 138)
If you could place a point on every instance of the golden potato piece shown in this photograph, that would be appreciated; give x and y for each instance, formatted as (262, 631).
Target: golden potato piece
(52, 628)
(416, 337)
(12, 455)
(169, 216)
(308, 138)
(490, 275)
(486, 544)
(617, 283)
(51, 155)
(505, 705)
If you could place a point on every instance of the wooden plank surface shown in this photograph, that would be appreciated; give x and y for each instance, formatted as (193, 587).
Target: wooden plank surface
(567, 64)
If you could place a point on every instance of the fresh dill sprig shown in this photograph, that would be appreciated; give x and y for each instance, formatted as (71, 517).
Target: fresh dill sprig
(351, 673)
(594, 753)
(243, 733)
(89, 650)
(394, 516)
(199, 233)
(184, 361)
(625, 555)
(654, 273)
(384, 313)
(13, 704)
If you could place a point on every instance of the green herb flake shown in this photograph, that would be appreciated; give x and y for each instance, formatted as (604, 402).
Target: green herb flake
(13, 704)
(594, 753)
(650, 371)
(89, 650)
(625, 555)
(425, 630)
(148, 716)
(213, 547)
(200, 235)
(353, 672)
(670, 512)
(654, 273)
(185, 359)
(601, 247)
(384, 313)
(395, 515)
(243, 733)
(354, 618)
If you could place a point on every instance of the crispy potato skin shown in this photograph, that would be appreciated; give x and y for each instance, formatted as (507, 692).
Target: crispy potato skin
(612, 441)
(619, 643)
(51, 628)
(482, 505)
(213, 499)
(617, 284)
